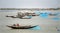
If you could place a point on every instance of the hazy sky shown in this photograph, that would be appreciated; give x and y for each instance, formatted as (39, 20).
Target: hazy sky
(29, 3)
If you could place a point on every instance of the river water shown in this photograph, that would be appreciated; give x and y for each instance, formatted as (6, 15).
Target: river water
(47, 25)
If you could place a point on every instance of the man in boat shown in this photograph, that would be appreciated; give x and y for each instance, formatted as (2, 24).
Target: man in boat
(14, 24)
(18, 25)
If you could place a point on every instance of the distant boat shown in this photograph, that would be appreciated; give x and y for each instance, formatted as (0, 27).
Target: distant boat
(21, 15)
(53, 14)
(21, 27)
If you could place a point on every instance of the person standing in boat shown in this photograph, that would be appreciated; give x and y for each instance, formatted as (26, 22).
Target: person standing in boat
(17, 25)
(14, 24)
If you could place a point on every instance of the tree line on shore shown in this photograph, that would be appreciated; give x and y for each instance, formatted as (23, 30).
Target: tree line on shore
(29, 8)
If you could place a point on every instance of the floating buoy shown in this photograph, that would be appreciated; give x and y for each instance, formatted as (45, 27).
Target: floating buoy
(57, 29)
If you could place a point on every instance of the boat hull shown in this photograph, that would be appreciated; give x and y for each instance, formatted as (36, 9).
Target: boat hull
(24, 27)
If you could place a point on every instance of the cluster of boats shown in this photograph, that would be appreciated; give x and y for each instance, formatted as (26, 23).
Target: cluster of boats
(22, 14)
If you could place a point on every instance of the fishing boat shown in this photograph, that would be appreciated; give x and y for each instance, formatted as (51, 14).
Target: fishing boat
(21, 27)
(22, 15)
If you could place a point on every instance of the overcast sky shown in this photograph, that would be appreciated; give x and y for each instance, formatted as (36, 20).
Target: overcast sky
(29, 3)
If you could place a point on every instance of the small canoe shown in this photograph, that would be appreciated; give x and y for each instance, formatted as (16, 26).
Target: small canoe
(21, 27)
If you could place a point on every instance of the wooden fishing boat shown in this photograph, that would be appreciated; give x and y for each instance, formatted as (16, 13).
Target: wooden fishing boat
(21, 27)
